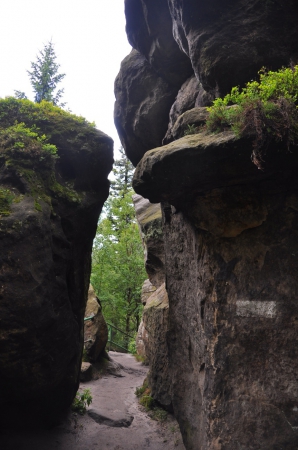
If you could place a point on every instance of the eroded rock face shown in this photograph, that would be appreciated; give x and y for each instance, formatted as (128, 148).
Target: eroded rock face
(46, 229)
(231, 283)
(230, 230)
(149, 30)
(190, 122)
(95, 330)
(143, 102)
(155, 323)
(228, 42)
(149, 220)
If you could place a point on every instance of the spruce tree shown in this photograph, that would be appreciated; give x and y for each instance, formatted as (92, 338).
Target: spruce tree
(118, 259)
(44, 76)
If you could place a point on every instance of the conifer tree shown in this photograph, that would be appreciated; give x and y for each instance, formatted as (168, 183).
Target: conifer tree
(118, 260)
(44, 76)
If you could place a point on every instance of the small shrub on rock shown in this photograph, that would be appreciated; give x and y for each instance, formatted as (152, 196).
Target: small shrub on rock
(266, 109)
(81, 401)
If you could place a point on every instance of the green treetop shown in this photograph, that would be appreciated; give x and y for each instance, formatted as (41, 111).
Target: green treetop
(44, 77)
(118, 260)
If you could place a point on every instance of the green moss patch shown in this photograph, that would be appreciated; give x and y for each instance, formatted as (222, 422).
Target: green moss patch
(265, 109)
(31, 137)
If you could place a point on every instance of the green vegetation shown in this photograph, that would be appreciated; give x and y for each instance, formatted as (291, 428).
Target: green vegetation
(44, 77)
(6, 199)
(81, 401)
(191, 129)
(31, 135)
(118, 261)
(265, 109)
(145, 399)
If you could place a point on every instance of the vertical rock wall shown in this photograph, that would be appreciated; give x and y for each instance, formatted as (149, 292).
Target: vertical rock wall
(47, 226)
(230, 231)
(231, 279)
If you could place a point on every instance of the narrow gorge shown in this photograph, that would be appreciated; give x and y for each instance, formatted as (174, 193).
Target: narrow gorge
(217, 214)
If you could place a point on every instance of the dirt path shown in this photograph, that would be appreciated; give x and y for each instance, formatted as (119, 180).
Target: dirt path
(115, 420)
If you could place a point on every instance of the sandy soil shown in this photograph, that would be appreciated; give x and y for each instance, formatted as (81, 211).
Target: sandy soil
(114, 403)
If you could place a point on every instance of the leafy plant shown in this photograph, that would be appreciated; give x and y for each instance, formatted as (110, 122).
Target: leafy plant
(132, 346)
(191, 129)
(142, 389)
(266, 109)
(81, 401)
(6, 199)
(147, 401)
(21, 138)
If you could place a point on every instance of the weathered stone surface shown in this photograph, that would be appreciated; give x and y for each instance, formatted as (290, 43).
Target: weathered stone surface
(149, 30)
(190, 95)
(142, 336)
(147, 289)
(45, 247)
(143, 102)
(86, 371)
(194, 118)
(95, 330)
(155, 318)
(228, 42)
(149, 220)
(232, 293)
(206, 175)
(230, 235)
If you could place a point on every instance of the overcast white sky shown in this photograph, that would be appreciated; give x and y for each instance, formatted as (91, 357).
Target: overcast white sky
(90, 43)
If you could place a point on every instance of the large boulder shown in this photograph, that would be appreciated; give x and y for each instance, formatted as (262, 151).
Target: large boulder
(95, 329)
(230, 244)
(149, 30)
(228, 42)
(49, 208)
(143, 102)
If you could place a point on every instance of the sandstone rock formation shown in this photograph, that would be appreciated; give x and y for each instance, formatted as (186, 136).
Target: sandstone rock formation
(229, 229)
(228, 42)
(149, 220)
(48, 216)
(231, 279)
(155, 320)
(95, 330)
(143, 101)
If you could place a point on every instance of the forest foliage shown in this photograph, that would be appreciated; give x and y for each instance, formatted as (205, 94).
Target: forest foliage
(118, 259)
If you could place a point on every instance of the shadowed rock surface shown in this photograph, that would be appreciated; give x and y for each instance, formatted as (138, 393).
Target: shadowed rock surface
(231, 274)
(143, 102)
(149, 30)
(149, 220)
(155, 320)
(95, 330)
(230, 230)
(228, 42)
(46, 231)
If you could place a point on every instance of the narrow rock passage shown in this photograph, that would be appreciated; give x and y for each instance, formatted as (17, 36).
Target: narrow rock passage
(114, 421)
